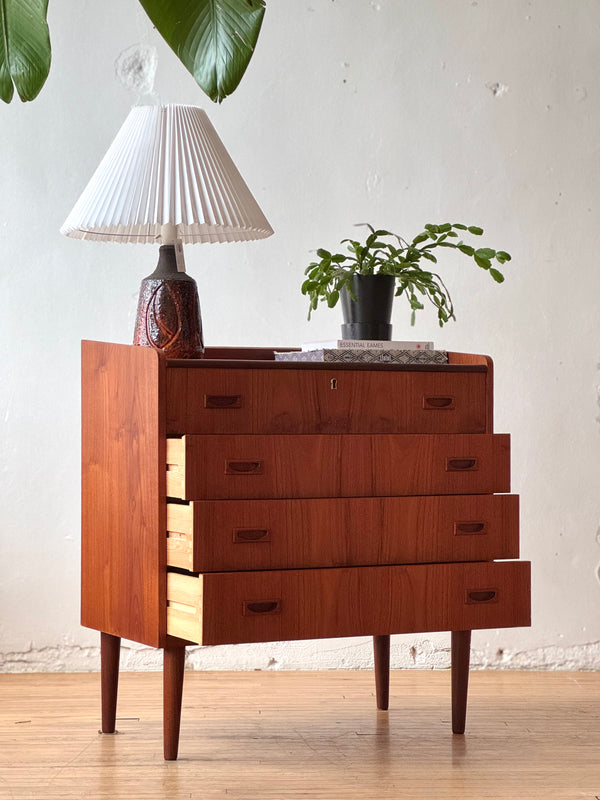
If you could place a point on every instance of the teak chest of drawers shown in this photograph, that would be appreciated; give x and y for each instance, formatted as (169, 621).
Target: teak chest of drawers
(238, 499)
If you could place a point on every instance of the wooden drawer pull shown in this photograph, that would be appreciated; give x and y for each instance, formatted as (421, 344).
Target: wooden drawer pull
(482, 596)
(244, 467)
(252, 608)
(461, 464)
(438, 403)
(466, 528)
(222, 401)
(245, 535)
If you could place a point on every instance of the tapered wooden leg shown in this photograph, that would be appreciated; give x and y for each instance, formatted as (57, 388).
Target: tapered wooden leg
(173, 667)
(461, 651)
(110, 647)
(381, 651)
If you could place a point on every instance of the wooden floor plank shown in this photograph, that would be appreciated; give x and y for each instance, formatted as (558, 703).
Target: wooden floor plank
(291, 736)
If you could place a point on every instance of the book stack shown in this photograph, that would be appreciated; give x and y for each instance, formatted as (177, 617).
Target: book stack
(370, 351)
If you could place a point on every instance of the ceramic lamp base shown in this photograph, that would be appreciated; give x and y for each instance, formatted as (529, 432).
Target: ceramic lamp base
(168, 314)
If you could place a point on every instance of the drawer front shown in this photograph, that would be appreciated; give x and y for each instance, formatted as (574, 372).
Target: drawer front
(337, 401)
(209, 400)
(230, 535)
(227, 467)
(324, 401)
(228, 608)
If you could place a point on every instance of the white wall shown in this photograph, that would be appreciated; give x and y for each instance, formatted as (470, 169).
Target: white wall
(388, 111)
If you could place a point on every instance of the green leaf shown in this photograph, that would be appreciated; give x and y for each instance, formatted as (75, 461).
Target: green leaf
(429, 256)
(25, 51)
(213, 39)
(332, 298)
(483, 262)
(503, 256)
(485, 252)
(338, 273)
(466, 249)
(323, 253)
(475, 230)
(497, 276)
(445, 228)
(420, 238)
(459, 226)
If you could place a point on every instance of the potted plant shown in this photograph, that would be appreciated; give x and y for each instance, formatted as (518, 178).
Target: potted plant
(369, 274)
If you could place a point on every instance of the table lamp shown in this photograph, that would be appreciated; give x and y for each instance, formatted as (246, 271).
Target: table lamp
(167, 178)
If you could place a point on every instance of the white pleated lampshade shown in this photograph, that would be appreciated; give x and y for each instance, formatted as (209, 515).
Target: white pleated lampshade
(167, 167)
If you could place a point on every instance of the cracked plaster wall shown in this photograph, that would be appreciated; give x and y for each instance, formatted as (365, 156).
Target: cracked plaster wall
(406, 653)
(392, 112)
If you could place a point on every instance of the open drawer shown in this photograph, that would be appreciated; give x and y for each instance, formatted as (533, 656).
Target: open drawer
(234, 607)
(347, 465)
(229, 535)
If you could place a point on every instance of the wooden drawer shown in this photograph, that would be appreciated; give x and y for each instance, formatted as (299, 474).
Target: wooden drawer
(324, 401)
(232, 607)
(227, 467)
(229, 535)
(336, 401)
(209, 400)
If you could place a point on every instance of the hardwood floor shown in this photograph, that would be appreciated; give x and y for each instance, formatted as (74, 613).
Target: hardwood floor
(279, 735)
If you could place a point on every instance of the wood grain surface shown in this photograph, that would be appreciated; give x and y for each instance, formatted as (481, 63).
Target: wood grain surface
(346, 465)
(229, 535)
(277, 735)
(325, 401)
(312, 604)
(123, 557)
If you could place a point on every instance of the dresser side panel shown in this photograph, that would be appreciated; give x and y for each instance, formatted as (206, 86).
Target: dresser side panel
(123, 492)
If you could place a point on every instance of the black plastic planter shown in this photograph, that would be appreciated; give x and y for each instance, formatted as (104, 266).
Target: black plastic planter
(368, 317)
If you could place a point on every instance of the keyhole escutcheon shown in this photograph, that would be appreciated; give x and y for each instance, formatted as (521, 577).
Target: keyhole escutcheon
(333, 383)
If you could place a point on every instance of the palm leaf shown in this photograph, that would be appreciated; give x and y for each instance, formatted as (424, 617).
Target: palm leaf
(24, 48)
(214, 39)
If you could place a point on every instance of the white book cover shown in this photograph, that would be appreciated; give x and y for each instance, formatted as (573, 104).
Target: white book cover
(366, 344)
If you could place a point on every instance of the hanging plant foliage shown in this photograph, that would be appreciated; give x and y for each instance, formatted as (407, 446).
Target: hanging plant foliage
(25, 51)
(213, 39)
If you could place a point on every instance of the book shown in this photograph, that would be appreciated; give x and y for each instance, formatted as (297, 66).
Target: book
(372, 356)
(366, 344)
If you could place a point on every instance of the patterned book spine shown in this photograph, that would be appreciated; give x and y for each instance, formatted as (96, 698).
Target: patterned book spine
(368, 356)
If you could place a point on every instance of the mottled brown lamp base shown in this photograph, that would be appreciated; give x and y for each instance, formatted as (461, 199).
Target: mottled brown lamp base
(168, 314)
